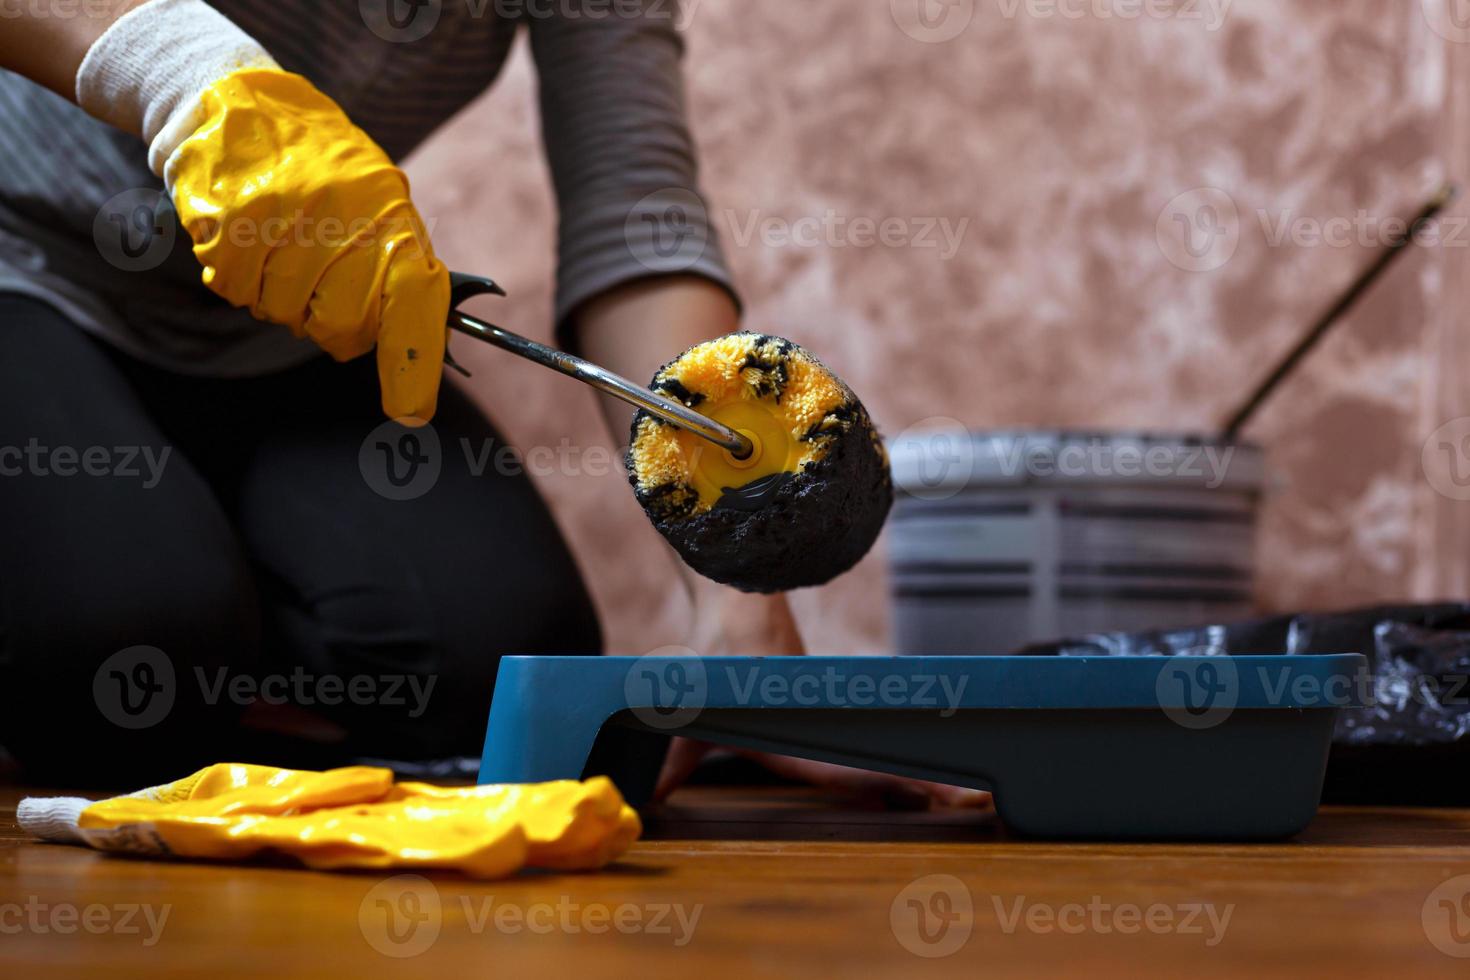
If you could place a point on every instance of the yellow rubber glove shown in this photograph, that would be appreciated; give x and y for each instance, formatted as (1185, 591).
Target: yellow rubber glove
(569, 825)
(352, 818)
(297, 215)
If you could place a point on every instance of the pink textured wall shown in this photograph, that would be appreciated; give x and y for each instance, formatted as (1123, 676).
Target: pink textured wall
(1052, 141)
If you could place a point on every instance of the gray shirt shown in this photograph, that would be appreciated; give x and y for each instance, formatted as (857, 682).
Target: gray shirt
(85, 225)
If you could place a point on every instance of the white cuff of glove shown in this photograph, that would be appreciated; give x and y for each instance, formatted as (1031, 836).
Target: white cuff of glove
(146, 72)
(52, 818)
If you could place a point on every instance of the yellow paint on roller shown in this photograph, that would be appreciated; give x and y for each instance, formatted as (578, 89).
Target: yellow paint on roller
(775, 393)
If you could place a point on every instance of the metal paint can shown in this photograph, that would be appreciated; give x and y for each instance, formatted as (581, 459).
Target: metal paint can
(1000, 539)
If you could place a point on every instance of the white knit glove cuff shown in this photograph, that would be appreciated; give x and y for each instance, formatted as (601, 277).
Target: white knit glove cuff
(52, 818)
(146, 72)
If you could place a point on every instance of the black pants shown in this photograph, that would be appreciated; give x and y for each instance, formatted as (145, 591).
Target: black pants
(174, 550)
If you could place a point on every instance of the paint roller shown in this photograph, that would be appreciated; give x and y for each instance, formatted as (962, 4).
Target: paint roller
(755, 461)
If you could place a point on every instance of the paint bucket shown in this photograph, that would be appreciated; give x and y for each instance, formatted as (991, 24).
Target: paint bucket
(1001, 539)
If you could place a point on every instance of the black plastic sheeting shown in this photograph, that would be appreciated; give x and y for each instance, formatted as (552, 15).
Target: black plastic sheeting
(1408, 743)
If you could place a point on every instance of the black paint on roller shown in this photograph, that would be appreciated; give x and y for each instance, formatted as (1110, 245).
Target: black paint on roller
(789, 530)
(754, 495)
(814, 528)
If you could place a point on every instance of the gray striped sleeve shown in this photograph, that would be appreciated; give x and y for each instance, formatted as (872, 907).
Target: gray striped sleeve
(621, 157)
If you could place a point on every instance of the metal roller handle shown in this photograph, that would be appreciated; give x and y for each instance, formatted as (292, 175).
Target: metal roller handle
(605, 381)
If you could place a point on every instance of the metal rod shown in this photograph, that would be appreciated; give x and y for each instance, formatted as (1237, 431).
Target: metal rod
(1355, 289)
(605, 381)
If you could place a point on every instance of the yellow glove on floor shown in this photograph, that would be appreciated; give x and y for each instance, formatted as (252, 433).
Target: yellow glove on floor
(569, 826)
(351, 818)
(299, 216)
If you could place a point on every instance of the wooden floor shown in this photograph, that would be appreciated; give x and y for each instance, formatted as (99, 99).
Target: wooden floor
(777, 882)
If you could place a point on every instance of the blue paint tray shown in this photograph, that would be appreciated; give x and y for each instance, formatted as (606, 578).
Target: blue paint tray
(1203, 748)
